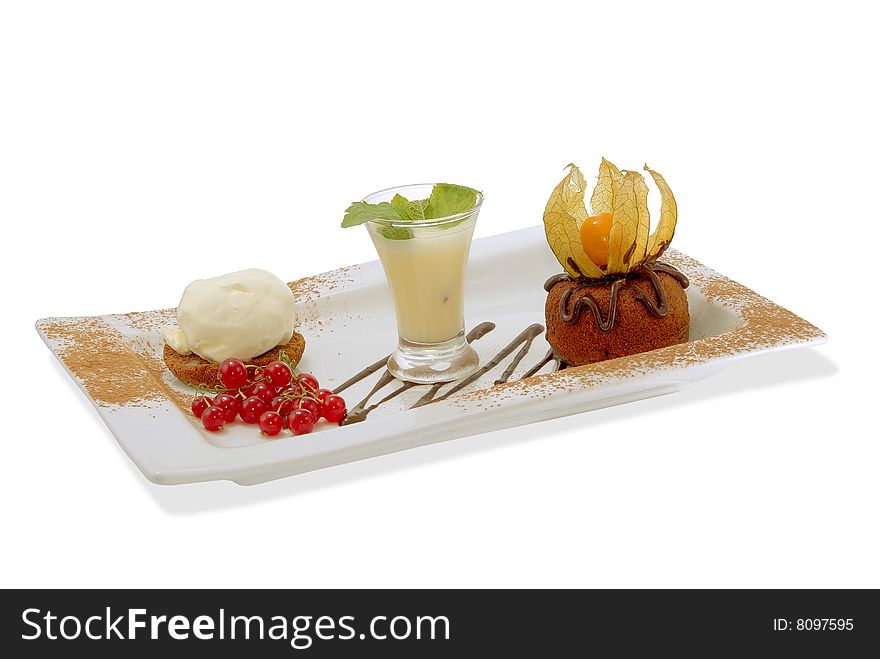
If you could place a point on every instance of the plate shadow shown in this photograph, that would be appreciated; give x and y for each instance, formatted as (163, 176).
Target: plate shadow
(764, 372)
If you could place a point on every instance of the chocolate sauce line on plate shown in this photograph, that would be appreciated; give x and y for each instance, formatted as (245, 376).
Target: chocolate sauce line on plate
(354, 415)
(519, 357)
(477, 332)
(551, 356)
(649, 270)
(526, 336)
(428, 397)
(367, 372)
(524, 341)
(361, 410)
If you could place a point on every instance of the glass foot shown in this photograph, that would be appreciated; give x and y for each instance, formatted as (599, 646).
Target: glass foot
(430, 363)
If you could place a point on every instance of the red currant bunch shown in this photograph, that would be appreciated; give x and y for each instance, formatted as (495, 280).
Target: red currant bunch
(273, 397)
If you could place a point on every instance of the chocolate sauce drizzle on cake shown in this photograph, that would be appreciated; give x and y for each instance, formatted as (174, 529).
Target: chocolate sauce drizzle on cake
(523, 341)
(570, 311)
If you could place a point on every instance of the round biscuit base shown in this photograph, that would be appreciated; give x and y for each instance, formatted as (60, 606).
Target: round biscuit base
(195, 371)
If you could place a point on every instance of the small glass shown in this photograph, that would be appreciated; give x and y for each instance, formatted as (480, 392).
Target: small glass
(424, 263)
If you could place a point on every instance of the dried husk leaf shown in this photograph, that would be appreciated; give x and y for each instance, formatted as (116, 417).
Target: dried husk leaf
(602, 200)
(564, 213)
(662, 236)
(630, 224)
(644, 225)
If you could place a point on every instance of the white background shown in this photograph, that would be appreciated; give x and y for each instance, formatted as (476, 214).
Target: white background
(146, 144)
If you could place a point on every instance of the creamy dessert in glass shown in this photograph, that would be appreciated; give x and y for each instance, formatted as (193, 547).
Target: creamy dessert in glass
(425, 259)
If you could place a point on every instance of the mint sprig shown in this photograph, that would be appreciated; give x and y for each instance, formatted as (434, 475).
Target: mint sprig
(396, 233)
(446, 199)
(360, 212)
(410, 210)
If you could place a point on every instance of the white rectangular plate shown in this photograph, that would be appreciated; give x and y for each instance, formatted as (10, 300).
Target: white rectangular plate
(348, 322)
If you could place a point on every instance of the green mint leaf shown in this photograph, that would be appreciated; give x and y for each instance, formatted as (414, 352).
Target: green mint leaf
(448, 199)
(399, 203)
(396, 233)
(360, 212)
(409, 210)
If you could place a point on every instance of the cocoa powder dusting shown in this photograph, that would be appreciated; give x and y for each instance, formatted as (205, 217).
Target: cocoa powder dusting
(119, 370)
(110, 369)
(128, 370)
(764, 325)
(311, 288)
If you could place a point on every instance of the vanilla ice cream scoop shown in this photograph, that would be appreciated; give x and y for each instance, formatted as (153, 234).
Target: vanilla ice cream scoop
(242, 314)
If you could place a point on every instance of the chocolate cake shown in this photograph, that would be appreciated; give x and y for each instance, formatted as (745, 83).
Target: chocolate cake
(593, 320)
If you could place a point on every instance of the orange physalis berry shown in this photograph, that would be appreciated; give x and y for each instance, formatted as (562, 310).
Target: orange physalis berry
(594, 236)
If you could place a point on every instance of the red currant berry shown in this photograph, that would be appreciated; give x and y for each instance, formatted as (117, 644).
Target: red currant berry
(310, 405)
(282, 405)
(264, 391)
(230, 404)
(309, 383)
(199, 405)
(255, 377)
(293, 389)
(271, 423)
(278, 374)
(334, 408)
(214, 418)
(233, 374)
(322, 395)
(300, 422)
(252, 408)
